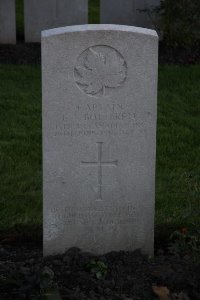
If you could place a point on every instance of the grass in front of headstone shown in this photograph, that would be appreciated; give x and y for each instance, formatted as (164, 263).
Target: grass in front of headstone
(178, 147)
(20, 146)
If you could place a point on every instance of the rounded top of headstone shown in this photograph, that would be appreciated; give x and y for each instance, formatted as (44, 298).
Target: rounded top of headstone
(98, 27)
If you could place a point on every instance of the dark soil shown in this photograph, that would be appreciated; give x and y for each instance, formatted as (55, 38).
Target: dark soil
(25, 274)
(25, 53)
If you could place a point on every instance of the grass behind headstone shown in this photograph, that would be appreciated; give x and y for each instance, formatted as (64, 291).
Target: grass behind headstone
(20, 146)
(178, 155)
(178, 146)
(20, 18)
(94, 11)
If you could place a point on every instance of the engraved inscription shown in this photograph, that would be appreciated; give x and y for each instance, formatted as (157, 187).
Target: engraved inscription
(96, 216)
(97, 119)
(99, 70)
(100, 163)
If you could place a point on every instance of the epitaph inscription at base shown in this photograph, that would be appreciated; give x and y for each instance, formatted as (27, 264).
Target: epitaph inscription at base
(99, 138)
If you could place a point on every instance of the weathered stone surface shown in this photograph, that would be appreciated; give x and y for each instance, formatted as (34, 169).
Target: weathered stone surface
(7, 22)
(99, 137)
(128, 12)
(45, 14)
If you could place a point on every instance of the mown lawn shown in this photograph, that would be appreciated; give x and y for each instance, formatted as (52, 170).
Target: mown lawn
(178, 147)
(20, 145)
(178, 142)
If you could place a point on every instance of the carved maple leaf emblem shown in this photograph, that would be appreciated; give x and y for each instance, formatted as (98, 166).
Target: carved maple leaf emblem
(100, 71)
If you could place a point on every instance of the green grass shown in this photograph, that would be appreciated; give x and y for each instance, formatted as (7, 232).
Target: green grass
(94, 14)
(20, 18)
(20, 146)
(178, 146)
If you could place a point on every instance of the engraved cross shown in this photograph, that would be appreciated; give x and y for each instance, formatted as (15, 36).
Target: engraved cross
(100, 164)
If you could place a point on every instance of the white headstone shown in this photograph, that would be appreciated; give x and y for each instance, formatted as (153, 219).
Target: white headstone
(7, 22)
(46, 14)
(128, 12)
(99, 137)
